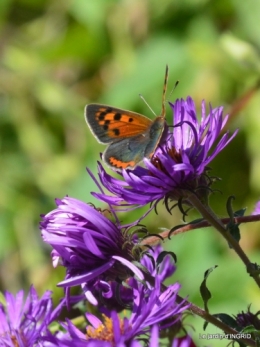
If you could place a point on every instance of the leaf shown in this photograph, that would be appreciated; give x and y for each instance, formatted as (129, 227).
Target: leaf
(240, 213)
(198, 220)
(163, 254)
(205, 293)
(175, 228)
(228, 320)
(233, 229)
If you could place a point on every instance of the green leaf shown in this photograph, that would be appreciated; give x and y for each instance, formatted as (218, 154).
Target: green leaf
(205, 293)
(227, 319)
(163, 254)
(240, 213)
(233, 229)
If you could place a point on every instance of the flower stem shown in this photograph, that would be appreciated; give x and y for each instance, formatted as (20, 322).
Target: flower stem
(202, 313)
(216, 322)
(152, 240)
(209, 215)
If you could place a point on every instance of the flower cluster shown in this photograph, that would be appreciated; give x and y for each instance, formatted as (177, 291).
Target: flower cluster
(150, 308)
(108, 261)
(25, 323)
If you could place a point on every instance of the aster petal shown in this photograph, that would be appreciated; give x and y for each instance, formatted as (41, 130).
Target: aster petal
(76, 280)
(93, 320)
(90, 297)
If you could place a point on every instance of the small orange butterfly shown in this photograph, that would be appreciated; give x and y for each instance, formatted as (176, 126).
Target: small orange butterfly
(130, 136)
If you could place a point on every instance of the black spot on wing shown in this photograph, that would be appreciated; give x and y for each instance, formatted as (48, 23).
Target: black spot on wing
(102, 115)
(117, 116)
(116, 132)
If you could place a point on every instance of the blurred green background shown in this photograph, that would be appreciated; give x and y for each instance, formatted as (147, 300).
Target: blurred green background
(57, 56)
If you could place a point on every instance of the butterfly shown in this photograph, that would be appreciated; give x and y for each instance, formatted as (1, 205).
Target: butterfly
(130, 136)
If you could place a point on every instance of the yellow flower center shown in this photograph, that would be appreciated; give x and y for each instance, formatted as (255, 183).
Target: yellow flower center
(104, 331)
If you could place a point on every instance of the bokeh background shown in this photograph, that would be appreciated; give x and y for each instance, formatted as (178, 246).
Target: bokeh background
(57, 56)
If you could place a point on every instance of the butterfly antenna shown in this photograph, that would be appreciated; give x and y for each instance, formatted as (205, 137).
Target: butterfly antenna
(164, 92)
(141, 96)
(176, 83)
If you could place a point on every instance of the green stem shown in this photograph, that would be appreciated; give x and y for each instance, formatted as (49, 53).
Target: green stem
(203, 224)
(203, 314)
(213, 320)
(209, 215)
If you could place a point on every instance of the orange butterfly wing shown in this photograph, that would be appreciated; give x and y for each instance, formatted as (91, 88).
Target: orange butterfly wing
(131, 136)
(129, 151)
(109, 124)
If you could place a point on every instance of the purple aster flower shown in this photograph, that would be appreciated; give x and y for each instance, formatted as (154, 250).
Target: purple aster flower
(245, 319)
(117, 297)
(256, 209)
(163, 270)
(184, 341)
(25, 323)
(249, 320)
(149, 309)
(153, 341)
(179, 165)
(93, 250)
(78, 339)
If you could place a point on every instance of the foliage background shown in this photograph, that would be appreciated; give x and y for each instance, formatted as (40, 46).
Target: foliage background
(57, 56)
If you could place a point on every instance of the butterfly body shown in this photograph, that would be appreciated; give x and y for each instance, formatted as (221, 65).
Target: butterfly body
(130, 136)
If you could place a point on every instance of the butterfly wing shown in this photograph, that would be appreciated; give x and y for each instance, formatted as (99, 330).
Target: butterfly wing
(128, 152)
(109, 124)
(125, 153)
